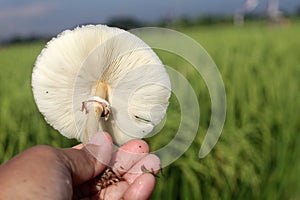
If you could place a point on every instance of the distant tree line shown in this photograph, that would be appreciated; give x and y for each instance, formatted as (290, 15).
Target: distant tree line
(127, 23)
(24, 39)
(185, 21)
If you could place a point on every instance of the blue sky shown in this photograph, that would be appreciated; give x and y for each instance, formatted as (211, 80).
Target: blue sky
(52, 16)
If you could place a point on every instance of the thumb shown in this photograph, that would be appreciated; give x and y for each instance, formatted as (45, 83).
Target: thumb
(86, 163)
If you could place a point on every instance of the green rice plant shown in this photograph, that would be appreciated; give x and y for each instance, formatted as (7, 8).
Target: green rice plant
(21, 124)
(257, 154)
(256, 157)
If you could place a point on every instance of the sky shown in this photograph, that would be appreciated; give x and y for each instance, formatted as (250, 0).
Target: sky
(50, 17)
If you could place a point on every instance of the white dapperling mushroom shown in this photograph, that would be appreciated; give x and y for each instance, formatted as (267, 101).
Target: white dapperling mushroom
(96, 78)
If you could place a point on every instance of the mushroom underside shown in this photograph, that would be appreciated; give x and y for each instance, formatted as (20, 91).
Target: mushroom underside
(70, 69)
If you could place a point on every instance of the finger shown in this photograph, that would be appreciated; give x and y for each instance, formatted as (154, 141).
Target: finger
(88, 162)
(141, 188)
(148, 164)
(114, 191)
(124, 158)
(78, 146)
(128, 154)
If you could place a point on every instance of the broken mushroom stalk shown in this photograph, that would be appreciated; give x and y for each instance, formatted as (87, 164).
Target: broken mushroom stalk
(95, 108)
(97, 78)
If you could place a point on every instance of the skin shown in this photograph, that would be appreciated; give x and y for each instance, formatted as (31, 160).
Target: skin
(45, 172)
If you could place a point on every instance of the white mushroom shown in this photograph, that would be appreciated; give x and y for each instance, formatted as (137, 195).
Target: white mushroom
(96, 78)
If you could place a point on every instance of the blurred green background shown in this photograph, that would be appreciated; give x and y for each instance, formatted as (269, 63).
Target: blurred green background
(257, 156)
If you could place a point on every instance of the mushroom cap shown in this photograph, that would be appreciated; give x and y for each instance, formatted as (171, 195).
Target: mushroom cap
(68, 69)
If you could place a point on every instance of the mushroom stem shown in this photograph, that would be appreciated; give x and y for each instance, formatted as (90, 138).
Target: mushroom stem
(101, 90)
(94, 112)
(96, 107)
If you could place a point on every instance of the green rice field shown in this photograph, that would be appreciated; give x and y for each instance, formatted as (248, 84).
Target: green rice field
(257, 155)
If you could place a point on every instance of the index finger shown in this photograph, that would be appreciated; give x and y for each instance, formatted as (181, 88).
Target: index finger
(128, 154)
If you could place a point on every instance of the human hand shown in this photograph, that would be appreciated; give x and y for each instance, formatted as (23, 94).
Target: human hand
(45, 172)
